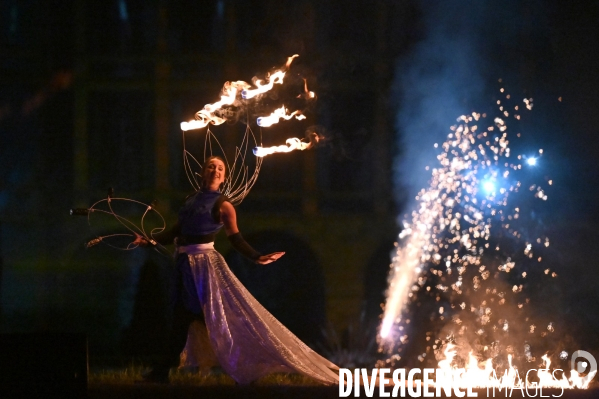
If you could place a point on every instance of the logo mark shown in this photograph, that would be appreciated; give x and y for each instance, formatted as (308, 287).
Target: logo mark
(581, 366)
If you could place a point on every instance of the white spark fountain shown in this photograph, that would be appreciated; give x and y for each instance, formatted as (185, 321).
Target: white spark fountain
(448, 249)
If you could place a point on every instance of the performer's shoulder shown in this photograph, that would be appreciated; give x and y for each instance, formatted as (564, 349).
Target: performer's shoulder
(222, 199)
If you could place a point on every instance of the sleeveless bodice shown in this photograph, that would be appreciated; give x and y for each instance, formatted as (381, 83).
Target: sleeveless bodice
(195, 218)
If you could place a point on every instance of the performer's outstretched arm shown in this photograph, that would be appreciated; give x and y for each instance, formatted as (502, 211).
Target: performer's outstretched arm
(164, 238)
(168, 236)
(229, 218)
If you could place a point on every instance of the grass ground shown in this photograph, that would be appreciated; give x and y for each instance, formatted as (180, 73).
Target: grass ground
(121, 383)
(131, 375)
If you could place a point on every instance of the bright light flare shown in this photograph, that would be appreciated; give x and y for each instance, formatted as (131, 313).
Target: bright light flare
(489, 186)
(386, 327)
(531, 161)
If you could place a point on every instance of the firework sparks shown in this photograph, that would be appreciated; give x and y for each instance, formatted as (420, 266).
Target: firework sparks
(452, 225)
(449, 250)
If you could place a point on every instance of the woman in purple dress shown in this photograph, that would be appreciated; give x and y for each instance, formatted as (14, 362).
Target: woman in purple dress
(246, 339)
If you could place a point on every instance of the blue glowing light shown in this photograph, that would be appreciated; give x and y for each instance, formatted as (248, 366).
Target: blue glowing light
(531, 161)
(489, 186)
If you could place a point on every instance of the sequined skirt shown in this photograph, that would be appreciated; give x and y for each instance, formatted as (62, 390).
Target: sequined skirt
(247, 340)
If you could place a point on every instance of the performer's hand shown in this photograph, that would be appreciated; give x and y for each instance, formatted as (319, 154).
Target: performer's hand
(139, 240)
(265, 259)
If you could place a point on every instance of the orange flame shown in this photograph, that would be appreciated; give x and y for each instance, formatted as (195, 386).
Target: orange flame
(290, 60)
(281, 113)
(307, 93)
(292, 144)
(276, 77)
(207, 114)
(473, 376)
(230, 93)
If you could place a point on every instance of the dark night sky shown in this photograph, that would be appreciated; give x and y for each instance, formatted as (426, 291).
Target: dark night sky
(573, 37)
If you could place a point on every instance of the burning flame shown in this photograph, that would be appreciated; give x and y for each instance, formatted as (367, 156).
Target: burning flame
(276, 77)
(207, 115)
(474, 376)
(292, 144)
(307, 93)
(234, 92)
(278, 114)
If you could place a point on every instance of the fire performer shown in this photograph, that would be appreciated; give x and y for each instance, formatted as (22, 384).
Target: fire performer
(247, 340)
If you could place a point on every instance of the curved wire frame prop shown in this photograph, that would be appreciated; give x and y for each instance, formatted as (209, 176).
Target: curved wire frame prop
(241, 175)
(132, 230)
(243, 167)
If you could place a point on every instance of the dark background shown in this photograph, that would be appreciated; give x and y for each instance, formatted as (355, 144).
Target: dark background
(92, 93)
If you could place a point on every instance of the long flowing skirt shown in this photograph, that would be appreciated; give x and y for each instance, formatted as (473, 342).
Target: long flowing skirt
(248, 341)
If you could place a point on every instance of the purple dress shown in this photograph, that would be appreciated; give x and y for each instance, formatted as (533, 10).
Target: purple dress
(247, 340)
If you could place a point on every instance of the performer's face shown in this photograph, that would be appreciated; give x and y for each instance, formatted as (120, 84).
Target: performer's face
(214, 173)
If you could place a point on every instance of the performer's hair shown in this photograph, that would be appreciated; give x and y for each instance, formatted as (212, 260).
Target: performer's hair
(207, 161)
